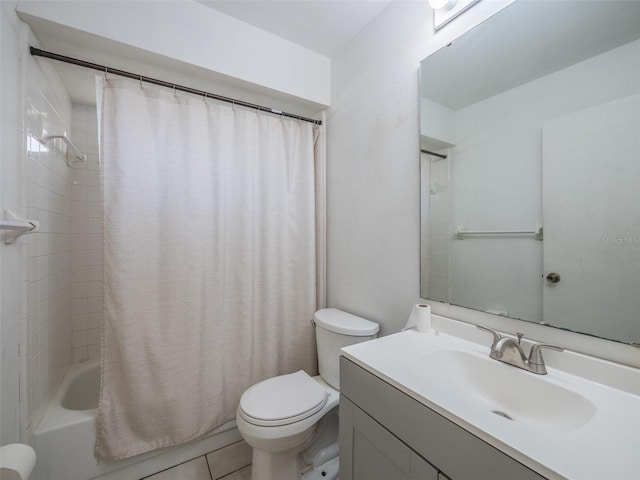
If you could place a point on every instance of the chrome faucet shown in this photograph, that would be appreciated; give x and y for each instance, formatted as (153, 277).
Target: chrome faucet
(509, 350)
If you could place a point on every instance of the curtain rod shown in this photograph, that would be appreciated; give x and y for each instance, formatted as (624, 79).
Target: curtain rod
(103, 68)
(439, 155)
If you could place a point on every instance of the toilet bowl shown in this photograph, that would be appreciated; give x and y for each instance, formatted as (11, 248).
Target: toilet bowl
(291, 420)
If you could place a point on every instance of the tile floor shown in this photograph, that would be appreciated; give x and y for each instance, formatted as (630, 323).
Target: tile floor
(229, 463)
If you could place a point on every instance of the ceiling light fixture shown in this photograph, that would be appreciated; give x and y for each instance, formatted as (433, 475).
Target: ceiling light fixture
(446, 10)
(446, 4)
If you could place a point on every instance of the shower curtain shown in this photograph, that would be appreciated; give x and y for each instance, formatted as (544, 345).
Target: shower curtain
(210, 261)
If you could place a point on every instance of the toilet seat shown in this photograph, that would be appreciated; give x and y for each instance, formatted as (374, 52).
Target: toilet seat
(282, 400)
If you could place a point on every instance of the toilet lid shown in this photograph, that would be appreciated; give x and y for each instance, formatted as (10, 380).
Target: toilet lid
(282, 400)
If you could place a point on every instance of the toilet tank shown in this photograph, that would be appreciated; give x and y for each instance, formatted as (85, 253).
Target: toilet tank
(336, 329)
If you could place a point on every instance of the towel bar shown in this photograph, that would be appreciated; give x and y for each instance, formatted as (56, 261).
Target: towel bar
(461, 232)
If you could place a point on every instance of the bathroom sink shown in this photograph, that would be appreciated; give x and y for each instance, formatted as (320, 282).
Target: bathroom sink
(554, 424)
(484, 385)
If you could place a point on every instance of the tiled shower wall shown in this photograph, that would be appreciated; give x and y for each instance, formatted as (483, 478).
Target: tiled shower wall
(46, 196)
(86, 273)
(62, 274)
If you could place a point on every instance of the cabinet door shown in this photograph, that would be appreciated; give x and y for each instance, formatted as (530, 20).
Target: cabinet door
(370, 452)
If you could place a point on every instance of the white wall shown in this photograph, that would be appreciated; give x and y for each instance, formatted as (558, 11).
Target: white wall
(373, 161)
(373, 177)
(195, 35)
(372, 168)
(10, 255)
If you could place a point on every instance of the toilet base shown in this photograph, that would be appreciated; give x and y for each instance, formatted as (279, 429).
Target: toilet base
(271, 465)
(306, 455)
(327, 471)
(284, 465)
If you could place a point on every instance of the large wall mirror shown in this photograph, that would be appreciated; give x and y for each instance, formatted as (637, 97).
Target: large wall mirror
(530, 167)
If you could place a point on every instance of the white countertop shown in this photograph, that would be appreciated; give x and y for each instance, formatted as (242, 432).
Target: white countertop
(605, 446)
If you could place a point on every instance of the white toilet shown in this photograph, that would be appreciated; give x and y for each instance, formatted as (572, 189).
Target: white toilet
(291, 421)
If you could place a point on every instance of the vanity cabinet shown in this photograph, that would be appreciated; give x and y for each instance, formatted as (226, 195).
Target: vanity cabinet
(387, 435)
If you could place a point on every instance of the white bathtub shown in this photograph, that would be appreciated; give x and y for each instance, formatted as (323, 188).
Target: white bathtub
(65, 438)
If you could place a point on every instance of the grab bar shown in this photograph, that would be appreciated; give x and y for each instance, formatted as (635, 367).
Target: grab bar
(461, 232)
(81, 157)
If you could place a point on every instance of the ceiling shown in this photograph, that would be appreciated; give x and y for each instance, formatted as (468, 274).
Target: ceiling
(323, 26)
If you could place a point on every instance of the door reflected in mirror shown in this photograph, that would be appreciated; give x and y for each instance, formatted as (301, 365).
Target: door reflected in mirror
(530, 164)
